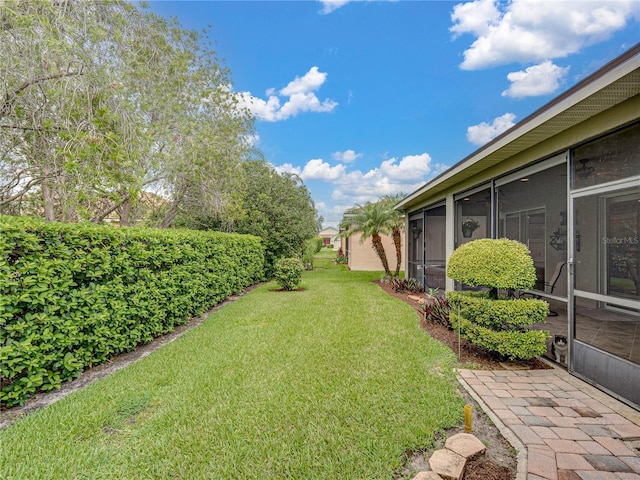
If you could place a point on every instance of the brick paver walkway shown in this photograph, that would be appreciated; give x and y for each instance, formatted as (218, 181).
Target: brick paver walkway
(563, 428)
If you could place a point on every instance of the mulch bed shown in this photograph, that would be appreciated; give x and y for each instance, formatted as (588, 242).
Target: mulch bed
(468, 354)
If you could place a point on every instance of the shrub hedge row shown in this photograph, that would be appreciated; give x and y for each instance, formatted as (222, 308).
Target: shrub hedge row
(73, 295)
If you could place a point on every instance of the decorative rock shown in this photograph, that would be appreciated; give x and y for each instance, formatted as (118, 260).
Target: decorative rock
(449, 465)
(427, 476)
(466, 445)
(417, 299)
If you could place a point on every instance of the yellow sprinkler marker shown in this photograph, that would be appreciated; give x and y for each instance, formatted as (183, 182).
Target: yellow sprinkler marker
(468, 409)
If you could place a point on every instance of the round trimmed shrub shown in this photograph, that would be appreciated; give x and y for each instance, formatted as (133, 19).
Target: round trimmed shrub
(288, 273)
(503, 264)
(497, 324)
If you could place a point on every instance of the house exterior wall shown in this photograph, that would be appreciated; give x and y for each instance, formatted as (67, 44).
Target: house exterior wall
(362, 257)
(591, 295)
(600, 124)
(608, 364)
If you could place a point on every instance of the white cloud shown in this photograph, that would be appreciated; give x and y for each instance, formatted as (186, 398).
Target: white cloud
(310, 82)
(347, 156)
(317, 169)
(474, 17)
(300, 99)
(535, 30)
(263, 109)
(409, 168)
(484, 132)
(252, 140)
(288, 168)
(539, 79)
(304, 102)
(392, 176)
(329, 6)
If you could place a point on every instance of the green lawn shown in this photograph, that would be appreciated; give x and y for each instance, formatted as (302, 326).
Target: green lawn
(333, 382)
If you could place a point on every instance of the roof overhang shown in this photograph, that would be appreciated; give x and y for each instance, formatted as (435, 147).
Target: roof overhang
(614, 83)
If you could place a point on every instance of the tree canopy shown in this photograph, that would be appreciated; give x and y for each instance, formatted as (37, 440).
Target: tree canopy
(109, 111)
(279, 209)
(103, 104)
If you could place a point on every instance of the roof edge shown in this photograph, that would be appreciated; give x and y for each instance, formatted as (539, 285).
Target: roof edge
(526, 124)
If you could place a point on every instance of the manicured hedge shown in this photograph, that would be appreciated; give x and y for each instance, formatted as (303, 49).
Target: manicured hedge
(73, 295)
(495, 263)
(500, 325)
(497, 324)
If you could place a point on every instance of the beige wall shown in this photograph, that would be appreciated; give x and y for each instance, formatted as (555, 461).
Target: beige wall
(363, 257)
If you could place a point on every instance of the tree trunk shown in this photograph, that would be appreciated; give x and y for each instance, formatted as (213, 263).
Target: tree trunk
(397, 241)
(170, 216)
(124, 211)
(379, 248)
(47, 201)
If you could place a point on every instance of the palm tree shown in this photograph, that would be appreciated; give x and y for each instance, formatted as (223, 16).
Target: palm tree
(370, 220)
(395, 224)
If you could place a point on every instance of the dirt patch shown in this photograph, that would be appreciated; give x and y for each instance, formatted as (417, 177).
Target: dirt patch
(500, 459)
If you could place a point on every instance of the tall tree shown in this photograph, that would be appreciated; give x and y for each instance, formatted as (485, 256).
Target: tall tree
(103, 101)
(279, 209)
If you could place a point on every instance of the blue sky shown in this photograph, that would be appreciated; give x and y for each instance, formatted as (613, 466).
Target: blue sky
(368, 98)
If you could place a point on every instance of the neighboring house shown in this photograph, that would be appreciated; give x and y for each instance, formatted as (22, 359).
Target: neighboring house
(566, 182)
(330, 237)
(362, 256)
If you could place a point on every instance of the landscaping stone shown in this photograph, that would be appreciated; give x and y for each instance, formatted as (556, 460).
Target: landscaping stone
(415, 298)
(466, 445)
(427, 476)
(449, 465)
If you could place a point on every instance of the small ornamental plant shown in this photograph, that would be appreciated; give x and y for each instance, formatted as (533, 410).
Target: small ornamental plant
(468, 227)
(498, 323)
(288, 273)
(471, 224)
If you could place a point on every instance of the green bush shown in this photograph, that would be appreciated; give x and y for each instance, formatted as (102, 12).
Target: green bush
(310, 249)
(512, 344)
(497, 264)
(436, 309)
(502, 314)
(288, 273)
(73, 295)
(497, 324)
(342, 259)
